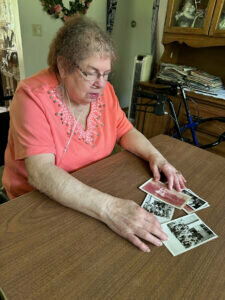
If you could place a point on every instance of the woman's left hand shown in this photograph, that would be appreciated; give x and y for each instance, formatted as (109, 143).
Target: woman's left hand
(159, 164)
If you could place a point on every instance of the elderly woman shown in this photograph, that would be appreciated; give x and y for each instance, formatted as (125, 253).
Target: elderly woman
(66, 117)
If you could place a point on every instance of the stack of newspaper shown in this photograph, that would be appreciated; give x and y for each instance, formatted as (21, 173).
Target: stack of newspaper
(173, 73)
(192, 79)
(203, 81)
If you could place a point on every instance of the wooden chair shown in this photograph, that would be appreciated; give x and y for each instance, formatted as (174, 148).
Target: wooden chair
(4, 125)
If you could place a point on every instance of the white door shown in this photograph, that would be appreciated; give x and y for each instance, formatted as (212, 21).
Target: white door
(130, 41)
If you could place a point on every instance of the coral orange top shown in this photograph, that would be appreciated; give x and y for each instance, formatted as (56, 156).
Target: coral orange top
(40, 122)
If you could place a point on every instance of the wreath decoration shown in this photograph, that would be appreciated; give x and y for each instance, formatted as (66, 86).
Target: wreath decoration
(57, 9)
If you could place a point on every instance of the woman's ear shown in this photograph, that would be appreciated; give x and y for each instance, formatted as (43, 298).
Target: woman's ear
(60, 66)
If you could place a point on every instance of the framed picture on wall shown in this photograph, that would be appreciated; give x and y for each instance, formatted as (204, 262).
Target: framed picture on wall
(111, 11)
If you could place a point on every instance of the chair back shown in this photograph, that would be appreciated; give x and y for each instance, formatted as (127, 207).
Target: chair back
(4, 128)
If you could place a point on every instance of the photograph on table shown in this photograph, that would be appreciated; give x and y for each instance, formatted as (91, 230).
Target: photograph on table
(186, 233)
(195, 203)
(162, 211)
(160, 191)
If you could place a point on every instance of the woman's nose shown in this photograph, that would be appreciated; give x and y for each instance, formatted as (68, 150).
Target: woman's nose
(101, 82)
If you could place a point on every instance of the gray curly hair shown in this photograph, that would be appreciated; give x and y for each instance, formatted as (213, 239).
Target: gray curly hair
(77, 40)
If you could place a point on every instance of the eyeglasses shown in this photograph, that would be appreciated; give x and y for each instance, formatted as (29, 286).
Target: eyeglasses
(92, 77)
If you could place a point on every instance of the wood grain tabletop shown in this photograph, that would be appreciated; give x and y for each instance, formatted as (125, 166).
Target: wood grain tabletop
(48, 251)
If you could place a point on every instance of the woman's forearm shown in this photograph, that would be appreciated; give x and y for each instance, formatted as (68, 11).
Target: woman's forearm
(64, 188)
(124, 217)
(135, 142)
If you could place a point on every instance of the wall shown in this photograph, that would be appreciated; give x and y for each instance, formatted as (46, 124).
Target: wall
(130, 42)
(35, 48)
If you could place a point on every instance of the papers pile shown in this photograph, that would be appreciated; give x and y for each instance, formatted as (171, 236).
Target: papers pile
(203, 81)
(173, 73)
(192, 79)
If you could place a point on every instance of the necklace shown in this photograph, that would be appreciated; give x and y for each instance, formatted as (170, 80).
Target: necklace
(64, 112)
(75, 121)
(66, 96)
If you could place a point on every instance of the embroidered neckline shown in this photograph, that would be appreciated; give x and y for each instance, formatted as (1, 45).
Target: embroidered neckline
(92, 132)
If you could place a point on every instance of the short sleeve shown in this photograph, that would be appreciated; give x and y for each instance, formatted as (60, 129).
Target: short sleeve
(30, 128)
(123, 125)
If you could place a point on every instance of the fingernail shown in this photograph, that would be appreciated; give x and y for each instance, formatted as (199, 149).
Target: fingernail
(147, 250)
(160, 243)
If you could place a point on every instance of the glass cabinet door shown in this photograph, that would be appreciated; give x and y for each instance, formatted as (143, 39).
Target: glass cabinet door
(9, 65)
(218, 22)
(189, 16)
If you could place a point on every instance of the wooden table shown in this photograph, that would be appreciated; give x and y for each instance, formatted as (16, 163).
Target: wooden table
(51, 252)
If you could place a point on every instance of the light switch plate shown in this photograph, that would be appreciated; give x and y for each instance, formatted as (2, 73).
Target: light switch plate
(36, 30)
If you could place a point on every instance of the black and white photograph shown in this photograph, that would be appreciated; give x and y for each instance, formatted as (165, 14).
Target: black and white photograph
(162, 211)
(186, 233)
(195, 203)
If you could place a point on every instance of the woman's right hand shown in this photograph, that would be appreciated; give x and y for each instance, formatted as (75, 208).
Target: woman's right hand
(133, 223)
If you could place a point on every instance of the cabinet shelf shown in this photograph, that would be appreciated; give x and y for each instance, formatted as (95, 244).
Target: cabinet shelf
(202, 98)
(197, 41)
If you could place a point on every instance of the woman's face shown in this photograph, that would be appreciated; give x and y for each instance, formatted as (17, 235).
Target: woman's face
(88, 80)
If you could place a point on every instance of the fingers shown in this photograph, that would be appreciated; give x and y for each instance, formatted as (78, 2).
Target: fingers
(149, 230)
(181, 181)
(134, 223)
(157, 233)
(137, 242)
(174, 177)
(156, 173)
(152, 238)
(177, 181)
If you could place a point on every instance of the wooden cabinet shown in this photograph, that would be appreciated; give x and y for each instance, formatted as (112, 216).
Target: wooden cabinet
(199, 44)
(200, 106)
(184, 17)
(218, 22)
(200, 26)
